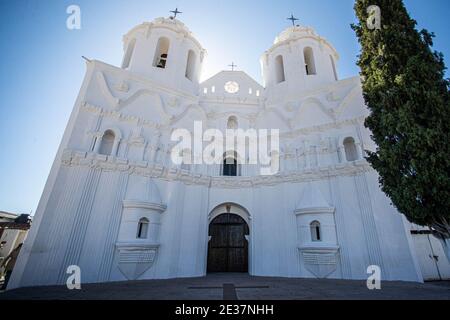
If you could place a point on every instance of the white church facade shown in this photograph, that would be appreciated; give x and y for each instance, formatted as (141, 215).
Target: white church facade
(117, 206)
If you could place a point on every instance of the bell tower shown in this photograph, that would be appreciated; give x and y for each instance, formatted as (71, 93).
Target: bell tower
(298, 61)
(166, 52)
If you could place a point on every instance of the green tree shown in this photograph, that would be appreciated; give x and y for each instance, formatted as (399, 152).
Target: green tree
(405, 89)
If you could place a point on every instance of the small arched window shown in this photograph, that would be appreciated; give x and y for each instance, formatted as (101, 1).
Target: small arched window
(310, 64)
(230, 165)
(316, 234)
(128, 54)
(351, 154)
(232, 123)
(161, 53)
(107, 143)
(333, 65)
(190, 65)
(142, 228)
(279, 69)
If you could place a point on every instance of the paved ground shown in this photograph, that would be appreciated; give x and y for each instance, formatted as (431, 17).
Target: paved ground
(237, 286)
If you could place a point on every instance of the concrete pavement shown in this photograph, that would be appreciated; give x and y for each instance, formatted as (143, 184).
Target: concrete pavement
(237, 286)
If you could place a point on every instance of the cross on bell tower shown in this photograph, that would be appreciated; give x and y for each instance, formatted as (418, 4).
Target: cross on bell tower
(175, 12)
(293, 19)
(232, 65)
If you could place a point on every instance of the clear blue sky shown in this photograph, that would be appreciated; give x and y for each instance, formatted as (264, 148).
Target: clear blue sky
(42, 70)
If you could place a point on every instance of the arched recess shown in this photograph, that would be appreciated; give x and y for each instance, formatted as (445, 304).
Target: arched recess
(229, 239)
(190, 65)
(316, 233)
(107, 141)
(350, 148)
(232, 122)
(161, 53)
(279, 69)
(351, 153)
(310, 64)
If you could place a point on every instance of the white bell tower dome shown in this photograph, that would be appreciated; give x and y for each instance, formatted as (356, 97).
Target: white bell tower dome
(298, 61)
(165, 51)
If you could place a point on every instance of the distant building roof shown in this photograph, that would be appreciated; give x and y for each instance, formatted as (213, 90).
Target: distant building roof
(8, 215)
(14, 221)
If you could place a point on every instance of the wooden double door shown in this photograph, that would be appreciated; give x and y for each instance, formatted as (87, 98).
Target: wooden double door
(431, 255)
(228, 247)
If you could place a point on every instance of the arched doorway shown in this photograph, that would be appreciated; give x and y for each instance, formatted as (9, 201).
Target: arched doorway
(228, 244)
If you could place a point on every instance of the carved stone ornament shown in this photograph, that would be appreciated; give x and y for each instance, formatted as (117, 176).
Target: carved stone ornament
(321, 262)
(136, 258)
(122, 87)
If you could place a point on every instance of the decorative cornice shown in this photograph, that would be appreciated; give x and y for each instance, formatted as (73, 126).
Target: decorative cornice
(144, 205)
(318, 248)
(214, 115)
(323, 127)
(314, 210)
(137, 245)
(87, 107)
(72, 158)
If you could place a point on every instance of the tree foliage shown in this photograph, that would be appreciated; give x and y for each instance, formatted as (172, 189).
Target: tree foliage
(405, 89)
